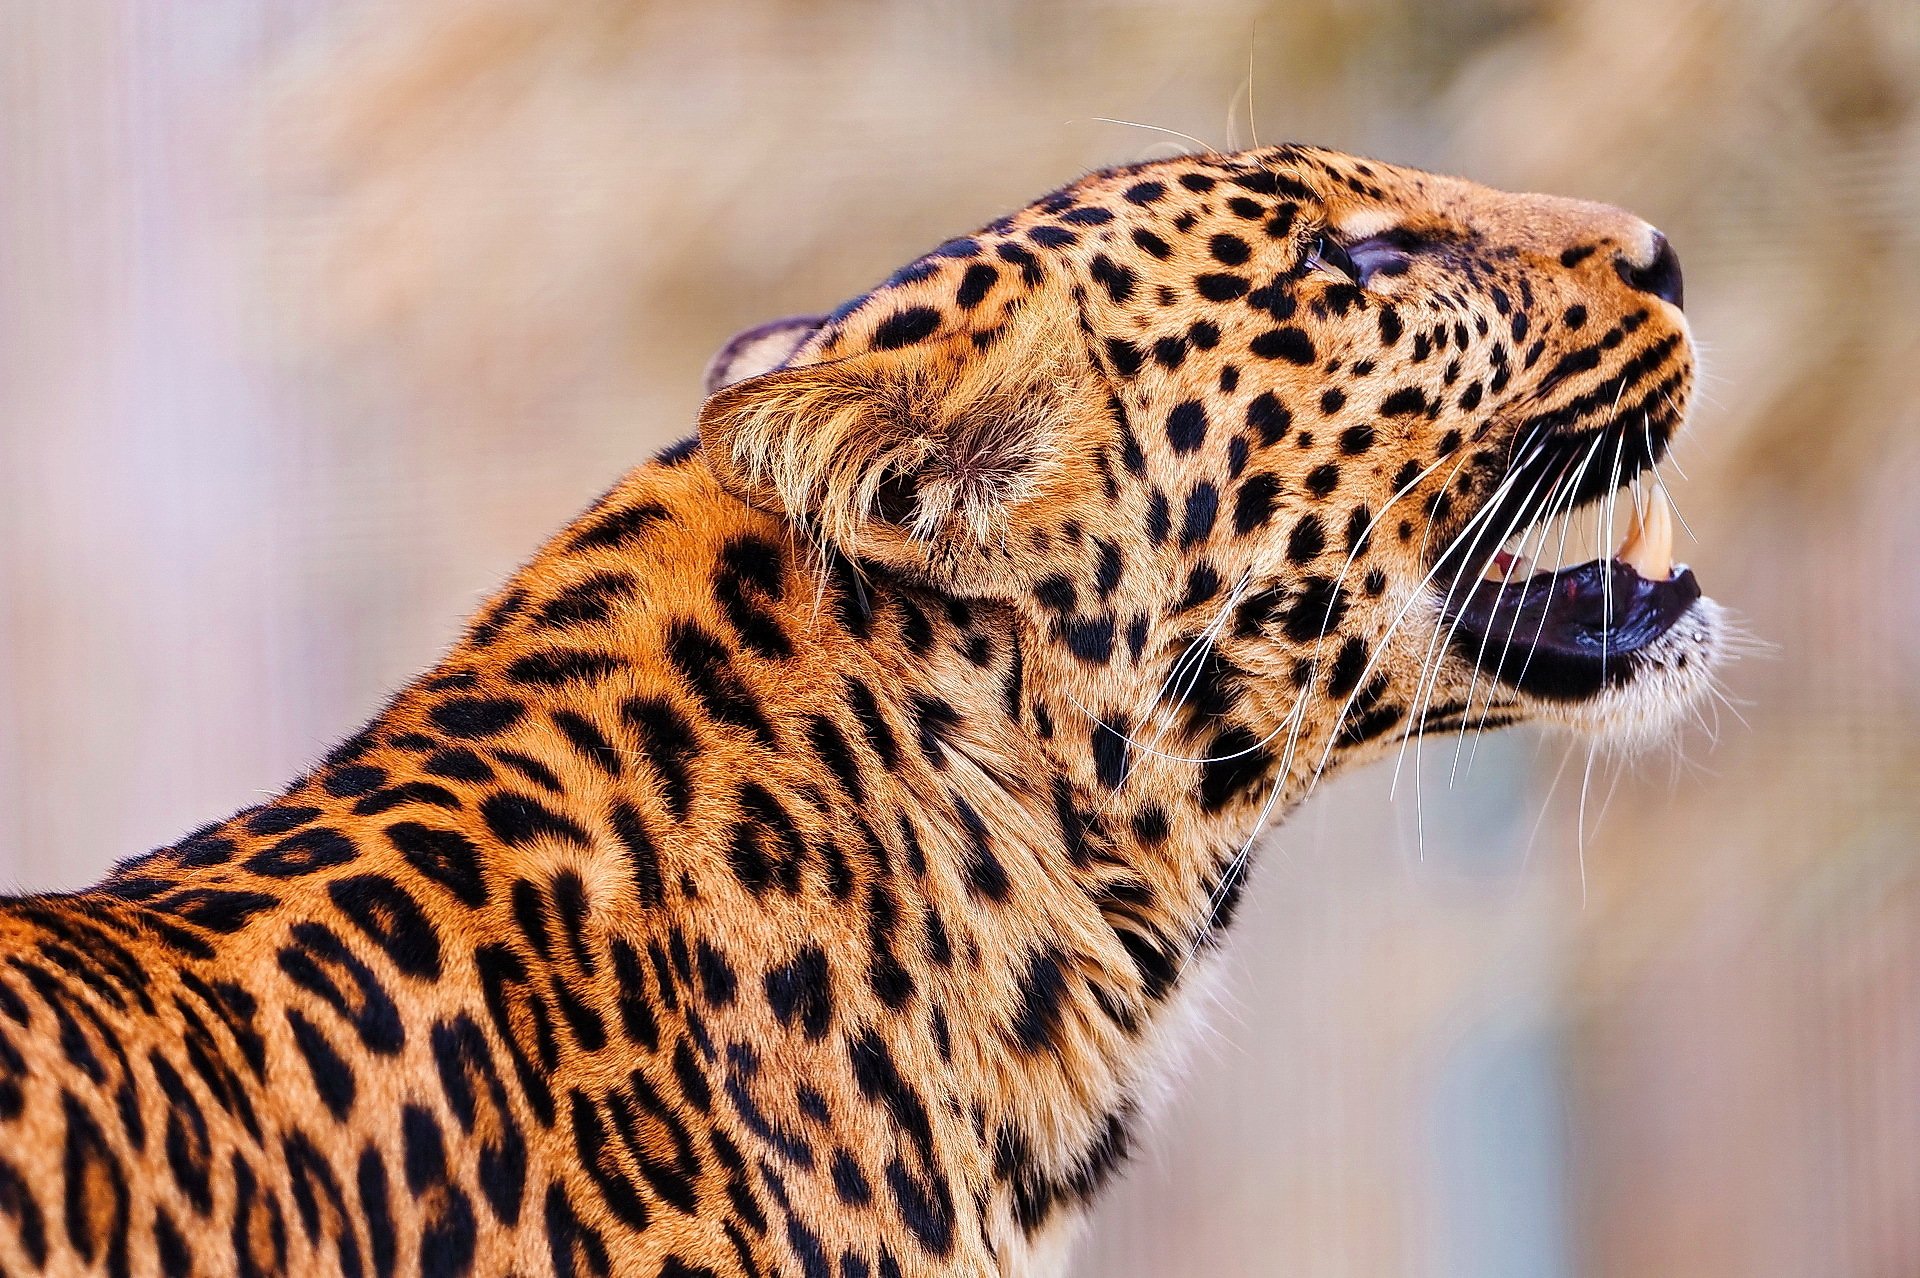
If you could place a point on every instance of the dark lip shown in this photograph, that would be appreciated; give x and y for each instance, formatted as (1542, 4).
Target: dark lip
(1566, 634)
(1563, 634)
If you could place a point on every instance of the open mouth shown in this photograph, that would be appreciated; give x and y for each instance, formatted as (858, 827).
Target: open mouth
(1567, 633)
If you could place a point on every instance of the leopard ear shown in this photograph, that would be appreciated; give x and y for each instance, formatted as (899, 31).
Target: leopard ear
(759, 349)
(938, 455)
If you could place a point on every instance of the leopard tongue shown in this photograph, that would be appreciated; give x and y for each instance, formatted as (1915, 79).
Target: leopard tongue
(1648, 548)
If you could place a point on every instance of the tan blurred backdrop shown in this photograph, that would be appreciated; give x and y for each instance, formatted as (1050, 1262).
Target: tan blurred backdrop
(314, 316)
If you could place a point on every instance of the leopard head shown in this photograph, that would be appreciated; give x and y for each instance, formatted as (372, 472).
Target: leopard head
(1244, 441)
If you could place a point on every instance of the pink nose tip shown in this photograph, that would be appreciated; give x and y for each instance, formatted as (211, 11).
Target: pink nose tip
(1660, 275)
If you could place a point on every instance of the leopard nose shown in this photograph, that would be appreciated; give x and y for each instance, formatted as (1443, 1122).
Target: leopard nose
(1658, 273)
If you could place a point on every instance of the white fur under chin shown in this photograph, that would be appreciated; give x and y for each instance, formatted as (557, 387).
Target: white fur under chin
(1673, 675)
(1176, 1029)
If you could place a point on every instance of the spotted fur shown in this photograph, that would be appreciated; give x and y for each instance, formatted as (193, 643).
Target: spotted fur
(801, 865)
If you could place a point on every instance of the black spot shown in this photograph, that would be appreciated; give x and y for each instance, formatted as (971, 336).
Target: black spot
(497, 617)
(459, 764)
(1322, 480)
(668, 741)
(976, 284)
(1159, 517)
(1110, 758)
(852, 606)
(586, 738)
(188, 1143)
(1317, 609)
(258, 1236)
(1287, 343)
(1203, 583)
(1152, 243)
(395, 796)
(800, 992)
(850, 1183)
(1187, 426)
(1203, 506)
(642, 856)
(1405, 402)
(766, 849)
(1125, 357)
(1220, 286)
(304, 853)
(873, 722)
(1091, 639)
(445, 857)
(1254, 504)
(748, 574)
(985, 875)
(617, 528)
(679, 451)
(1043, 990)
(1275, 300)
(215, 909)
(471, 717)
(831, 745)
(1332, 400)
(935, 721)
(1235, 760)
(280, 819)
(573, 1246)
(717, 981)
(586, 602)
(519, 819)
(906, 326)
(333, 1078)
(1348, 667)
(1307, 540)
(1107, 572)
(1229, 250)
(318, 961)
(1144, 192)
(1151, 824)
(469, 1079)
(701, 659)
(392, 920)
(1055, 592)
(1116, 279)
(557, 666)
(532, 770)
(1355, 440)
(1031, 272)
(1269, 418)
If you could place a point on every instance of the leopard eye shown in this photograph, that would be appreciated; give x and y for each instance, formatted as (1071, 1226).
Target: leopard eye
(1328, 254)
(1382, 255)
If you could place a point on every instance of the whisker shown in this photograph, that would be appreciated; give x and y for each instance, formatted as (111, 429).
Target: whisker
(1480, 657)
(1436, 651)
(1155, 128)
(1414, 596)
(1533, 645)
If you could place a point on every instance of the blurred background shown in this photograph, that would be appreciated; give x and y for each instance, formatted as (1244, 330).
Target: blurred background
(315, 316)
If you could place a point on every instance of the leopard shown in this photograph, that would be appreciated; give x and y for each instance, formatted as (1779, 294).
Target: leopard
(814, 860)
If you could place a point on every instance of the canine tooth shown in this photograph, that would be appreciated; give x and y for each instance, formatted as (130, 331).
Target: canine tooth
(1648, 548)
